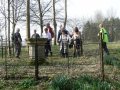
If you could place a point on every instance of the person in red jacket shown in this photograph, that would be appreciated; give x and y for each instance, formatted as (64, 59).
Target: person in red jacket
(50, 29)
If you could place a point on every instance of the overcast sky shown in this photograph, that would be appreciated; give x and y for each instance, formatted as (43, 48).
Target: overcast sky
(87, 8)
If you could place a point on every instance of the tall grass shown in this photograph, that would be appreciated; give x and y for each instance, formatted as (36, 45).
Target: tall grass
(84, 82)
(111, 60)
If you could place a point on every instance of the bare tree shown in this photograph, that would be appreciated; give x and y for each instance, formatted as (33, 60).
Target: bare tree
(65, 21)
(28, 19)
(54, 21)
(17, 12)
(9, 28)
(41, 16)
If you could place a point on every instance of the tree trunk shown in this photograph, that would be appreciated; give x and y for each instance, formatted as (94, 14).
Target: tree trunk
(28, 19)
(13, 24)
(9, 52)
(65, 14)
(54, 21)
(41, 17)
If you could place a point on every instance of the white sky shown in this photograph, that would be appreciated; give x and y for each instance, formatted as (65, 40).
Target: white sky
(87, 8)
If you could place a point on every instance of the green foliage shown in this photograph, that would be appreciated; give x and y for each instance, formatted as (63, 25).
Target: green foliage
(2, 84)
(90, 31)
(27, 83)
(84, 82)
(40, 62)
(59, 82)
(111, 60)
(112, 25)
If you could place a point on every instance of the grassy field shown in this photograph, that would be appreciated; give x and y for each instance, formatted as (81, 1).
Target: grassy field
(56, 70)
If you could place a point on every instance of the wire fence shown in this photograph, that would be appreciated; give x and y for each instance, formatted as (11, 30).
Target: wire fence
(14, 68)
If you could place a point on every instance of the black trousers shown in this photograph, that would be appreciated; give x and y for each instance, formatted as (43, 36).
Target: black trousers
(17, 49)
(47, 48)
(104, 45)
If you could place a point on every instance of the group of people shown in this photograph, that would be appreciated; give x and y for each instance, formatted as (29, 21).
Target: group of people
(48, 33)
(64, 39)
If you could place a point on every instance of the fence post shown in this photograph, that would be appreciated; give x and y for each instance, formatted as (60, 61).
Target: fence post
(36, 59)
(68, 59)
(2, 45)
(6, 75)
(101, 57)
(81, 47)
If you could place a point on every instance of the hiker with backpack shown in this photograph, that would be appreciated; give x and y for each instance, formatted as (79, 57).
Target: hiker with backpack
(105, 38)
(76, 37)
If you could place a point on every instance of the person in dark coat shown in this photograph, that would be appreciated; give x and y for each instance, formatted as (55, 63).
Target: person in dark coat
(18, 43)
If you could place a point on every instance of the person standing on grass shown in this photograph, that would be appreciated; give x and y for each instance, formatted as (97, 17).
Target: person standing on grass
(76, 37)
(64, 40)
(47, 35)
(18, 43)
(50, 30)
(104, 38)
(35, 35)
(60, 32)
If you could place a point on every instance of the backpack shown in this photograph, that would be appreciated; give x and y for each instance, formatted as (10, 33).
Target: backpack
(16, 38)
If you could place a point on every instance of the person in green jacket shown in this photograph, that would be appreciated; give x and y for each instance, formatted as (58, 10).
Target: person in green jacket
(104, 38)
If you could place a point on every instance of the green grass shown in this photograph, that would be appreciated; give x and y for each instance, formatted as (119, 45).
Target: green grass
(86, 64)
(111, 60)
(84, 82)
(27, 83)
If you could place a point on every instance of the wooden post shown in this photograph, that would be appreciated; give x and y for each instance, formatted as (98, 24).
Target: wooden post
(81, 47)
(36, 60)
(68, 60)
(6, 74)
(101, 57)
(2, 45)
(9, 48)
